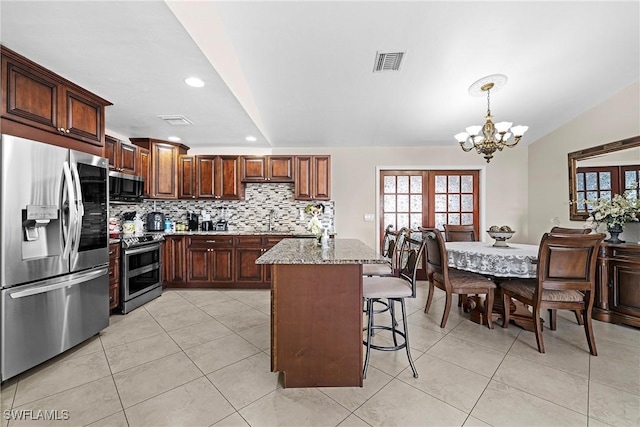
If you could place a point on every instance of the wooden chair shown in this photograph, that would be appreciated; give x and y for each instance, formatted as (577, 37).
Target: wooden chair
(553, 313)
(563, 230)
(566, 280)
(393, 289)
(452, 281)
(460, 233)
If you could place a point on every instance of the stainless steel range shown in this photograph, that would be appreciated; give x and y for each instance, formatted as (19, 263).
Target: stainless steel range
(141, 270)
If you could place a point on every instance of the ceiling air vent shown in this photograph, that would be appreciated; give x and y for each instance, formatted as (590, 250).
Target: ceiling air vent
(388, 61)
(176, 120)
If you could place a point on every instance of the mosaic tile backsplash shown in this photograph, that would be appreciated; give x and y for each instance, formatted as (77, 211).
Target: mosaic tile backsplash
(251, 214)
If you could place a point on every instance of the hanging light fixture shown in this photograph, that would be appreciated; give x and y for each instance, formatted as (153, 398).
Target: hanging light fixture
(489, 138)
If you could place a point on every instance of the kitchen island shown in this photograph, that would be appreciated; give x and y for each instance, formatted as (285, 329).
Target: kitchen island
(316, 311)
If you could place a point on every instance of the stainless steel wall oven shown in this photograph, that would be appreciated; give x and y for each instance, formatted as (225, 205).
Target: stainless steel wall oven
(141, 271)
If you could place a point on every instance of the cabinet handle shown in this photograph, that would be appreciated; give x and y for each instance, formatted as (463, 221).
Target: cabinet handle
(211, 241)
(111, 252)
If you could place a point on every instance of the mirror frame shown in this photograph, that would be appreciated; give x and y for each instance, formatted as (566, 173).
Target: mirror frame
(599, 150)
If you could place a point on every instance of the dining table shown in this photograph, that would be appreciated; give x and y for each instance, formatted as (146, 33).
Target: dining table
(500, 263)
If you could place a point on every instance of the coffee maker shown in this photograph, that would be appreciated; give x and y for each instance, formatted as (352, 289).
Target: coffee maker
(192, 219)
(155, 221)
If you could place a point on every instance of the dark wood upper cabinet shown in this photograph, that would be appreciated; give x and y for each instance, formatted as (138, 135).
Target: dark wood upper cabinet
(313, 177)
(267, 169)
(122, 157)
(163, 166)
(39, 98)
(218, 177)
(186, 177)
(144, 169)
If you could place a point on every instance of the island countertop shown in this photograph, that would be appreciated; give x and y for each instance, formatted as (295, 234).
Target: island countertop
(307, 251)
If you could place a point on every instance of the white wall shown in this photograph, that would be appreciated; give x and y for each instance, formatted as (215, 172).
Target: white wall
(615, 119)
(354, 183)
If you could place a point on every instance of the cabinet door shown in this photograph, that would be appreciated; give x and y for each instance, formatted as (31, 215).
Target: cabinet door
(110, 151)
(83, 118)
(625, 288)
(144, 169)
(128, 155)
(205, 177)
(254, 168)
(321, 177)
(222, 261)
(246, 268)
(186, 177)
(303, 183)
(270, 242)
(280, 169)
(229, 176)
(31, 97)
(173, 259)
(164, 162)
(198, 265)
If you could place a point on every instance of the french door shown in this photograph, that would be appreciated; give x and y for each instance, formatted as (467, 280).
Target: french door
(429, 198)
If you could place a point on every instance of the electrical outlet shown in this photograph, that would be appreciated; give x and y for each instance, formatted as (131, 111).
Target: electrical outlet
(369, 217)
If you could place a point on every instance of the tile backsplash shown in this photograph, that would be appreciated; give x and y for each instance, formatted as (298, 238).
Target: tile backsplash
(250, 214)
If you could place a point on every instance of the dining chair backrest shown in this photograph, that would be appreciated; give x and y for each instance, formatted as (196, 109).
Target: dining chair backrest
(409, 256)
(567, 262)
(459, 233)
(436, 253)
(563, 230)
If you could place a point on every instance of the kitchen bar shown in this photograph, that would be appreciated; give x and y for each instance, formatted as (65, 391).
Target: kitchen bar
(316, 311)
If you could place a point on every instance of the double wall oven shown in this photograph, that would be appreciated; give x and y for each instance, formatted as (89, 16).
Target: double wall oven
(141, 270)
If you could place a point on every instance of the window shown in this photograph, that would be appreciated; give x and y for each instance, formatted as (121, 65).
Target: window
(604, 182)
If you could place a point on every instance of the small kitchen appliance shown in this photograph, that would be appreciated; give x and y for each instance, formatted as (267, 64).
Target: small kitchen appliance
(222, 225)
(192, 219)
(155, 221)
(207, 225)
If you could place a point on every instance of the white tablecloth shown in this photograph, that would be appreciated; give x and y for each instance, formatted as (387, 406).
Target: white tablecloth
(516, 260)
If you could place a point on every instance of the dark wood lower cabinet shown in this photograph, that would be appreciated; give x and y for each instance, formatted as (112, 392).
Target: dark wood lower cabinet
(617, 298)
(114, 275)
(217, 261)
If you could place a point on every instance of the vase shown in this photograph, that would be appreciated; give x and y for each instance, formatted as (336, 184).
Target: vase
(614, 230)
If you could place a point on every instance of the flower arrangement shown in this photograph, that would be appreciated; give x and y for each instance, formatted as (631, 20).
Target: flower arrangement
(613, 212)
(314, 226)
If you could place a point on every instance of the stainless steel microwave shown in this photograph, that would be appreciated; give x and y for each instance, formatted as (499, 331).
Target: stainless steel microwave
(125, 188)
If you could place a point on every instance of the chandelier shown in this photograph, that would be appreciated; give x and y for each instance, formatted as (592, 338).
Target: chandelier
(489, 138)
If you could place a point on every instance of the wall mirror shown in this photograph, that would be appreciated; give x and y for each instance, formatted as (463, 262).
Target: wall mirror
(601, 171)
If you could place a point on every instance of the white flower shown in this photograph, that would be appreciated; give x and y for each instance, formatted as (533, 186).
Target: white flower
(314, 226)
(617, 211)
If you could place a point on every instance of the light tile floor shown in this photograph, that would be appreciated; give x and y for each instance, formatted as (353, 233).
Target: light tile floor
(201, 358)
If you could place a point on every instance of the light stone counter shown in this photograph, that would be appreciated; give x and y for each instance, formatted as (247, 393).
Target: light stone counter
(307, 251)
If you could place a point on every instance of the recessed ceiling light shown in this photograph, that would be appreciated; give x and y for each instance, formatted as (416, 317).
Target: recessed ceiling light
(174, 138)
(251, 138)
(194, 82)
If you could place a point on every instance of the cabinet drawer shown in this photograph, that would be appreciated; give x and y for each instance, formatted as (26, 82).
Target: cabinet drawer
(249, 241)
(210, 241)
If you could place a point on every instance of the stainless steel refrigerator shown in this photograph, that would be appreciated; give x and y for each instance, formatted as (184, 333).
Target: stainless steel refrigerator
(53, 251)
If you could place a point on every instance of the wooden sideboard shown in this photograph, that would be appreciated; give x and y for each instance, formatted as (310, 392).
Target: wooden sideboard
(617, 297)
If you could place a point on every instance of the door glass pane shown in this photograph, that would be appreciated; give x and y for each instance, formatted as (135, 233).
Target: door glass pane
(605, 180)
(592, 195)
(403, 220)
(467, 184)
(416, 184)
(580, 181)
(416, 221)
(454, 202)
(403, 184)
(390, 219)
(467, 219)
(592, 180)
(441, 203)
(403, 203)
(389, 184)
(630, 180)
(441, 220)
(416, 203)
(454, 218)
(467, 203)
(441, 183)
(389, 203)
(605, 194)
(454, 184)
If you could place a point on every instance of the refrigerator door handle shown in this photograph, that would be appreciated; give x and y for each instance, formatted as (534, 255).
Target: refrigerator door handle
(79, 215)
(71, 230)
(53, 284)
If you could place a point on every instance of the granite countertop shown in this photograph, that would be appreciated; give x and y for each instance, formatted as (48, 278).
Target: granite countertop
(113, 240)
(240, 233)
(307, 251)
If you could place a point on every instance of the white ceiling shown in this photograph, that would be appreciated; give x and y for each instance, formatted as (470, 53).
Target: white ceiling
(299, 74)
